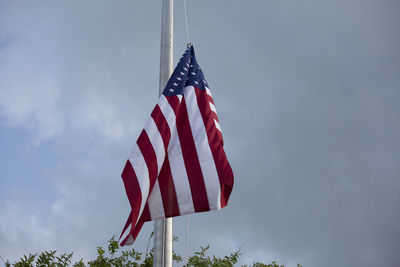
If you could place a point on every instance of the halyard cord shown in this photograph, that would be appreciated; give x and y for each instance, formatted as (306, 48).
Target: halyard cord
(186, 22)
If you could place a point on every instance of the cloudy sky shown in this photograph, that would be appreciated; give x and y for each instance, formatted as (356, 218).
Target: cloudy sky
(308, 98)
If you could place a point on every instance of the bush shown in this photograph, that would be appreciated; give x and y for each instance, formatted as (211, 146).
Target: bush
(118, 258)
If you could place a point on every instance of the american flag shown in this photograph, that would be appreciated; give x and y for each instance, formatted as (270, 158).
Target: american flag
(178, 165)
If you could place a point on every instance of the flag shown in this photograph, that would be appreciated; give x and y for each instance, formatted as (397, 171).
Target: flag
(178, 165)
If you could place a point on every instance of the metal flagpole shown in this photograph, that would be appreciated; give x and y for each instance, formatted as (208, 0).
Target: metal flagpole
(163, 228)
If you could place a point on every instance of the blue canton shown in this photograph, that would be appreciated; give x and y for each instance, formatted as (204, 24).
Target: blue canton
(186, 73)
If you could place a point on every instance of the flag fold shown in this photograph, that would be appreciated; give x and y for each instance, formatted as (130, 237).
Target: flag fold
(178, 165)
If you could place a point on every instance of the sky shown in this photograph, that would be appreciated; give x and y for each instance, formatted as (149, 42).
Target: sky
(307, 94)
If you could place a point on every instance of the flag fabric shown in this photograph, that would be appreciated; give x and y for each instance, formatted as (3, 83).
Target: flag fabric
(178, 165)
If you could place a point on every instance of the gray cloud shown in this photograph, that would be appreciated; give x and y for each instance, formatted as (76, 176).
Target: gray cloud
(307, 94)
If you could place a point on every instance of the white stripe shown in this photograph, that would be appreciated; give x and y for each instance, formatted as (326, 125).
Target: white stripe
(156, 141)
(155, 201)
(212, 107)
(142, 173)
(167, 111)
(208, 91)
(177, 165)
(179, 176)
(206, 160)
(156, 206)
(217, 125)
(169, 115)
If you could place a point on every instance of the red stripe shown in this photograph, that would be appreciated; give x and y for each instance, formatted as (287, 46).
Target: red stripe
(149, 156)
(168, 192)
(146, 214)
(162, 126)
(191, 160)
(211, 116)
(125, 240)
(215, 141)
(173, 102)
(134, 231)
(144, 218)
(208, 97)
(167, 188)
(132, 190)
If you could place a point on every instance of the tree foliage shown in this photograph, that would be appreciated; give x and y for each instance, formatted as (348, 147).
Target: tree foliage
(115, 257)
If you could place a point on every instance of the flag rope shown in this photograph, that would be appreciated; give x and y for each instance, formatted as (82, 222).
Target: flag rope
(187, 239)
(187, 216)
(186, 22)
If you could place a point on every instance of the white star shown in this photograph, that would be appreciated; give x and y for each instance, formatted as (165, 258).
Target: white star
(196, 82)
(187, 64)
(178, 78)
(175, 84)
(185, 69)
(171, 90)
(193, 73)
(182, 73)
(191, 65)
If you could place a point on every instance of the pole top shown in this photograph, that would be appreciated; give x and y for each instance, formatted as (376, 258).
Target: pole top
(189, 45)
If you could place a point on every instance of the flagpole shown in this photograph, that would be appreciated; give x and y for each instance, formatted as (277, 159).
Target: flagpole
(163, 228)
